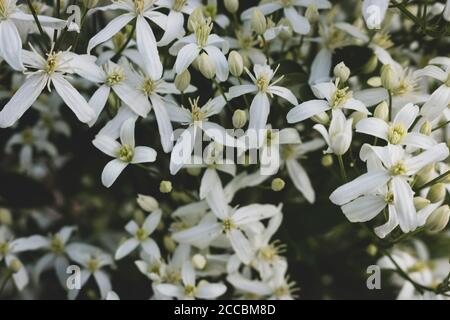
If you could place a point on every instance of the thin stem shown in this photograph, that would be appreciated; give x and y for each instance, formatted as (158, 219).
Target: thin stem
(390, 105)
(342, 167)
(434, 181)
(57, 14)
(83, 19)
(125, 45)
(245, 96)
(222, 92)
(36, 19)
(5, 281)
(441, 126)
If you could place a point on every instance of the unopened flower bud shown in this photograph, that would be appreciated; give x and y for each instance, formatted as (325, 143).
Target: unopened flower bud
(194, 171)
(372, 250)
(312, 13)
(15, 266)
(426, 128)
(387, 77)
(259, 22)
(236, 64)
(382, 111)
(436, 192)
(438, 220)
(147, 203)
(165, 186)
(169, 243)
(232, 6)
(357, 116)
(278, 184)
(206, 66)
(327, 160)
(239, 119)
(420, 203)
(5, 216)
(183, 80)
(424, 175)
(342, 72)
(195, 18)
(286, 33)
(370, 65)
(374, 82)
(199, 261)
(321, 118)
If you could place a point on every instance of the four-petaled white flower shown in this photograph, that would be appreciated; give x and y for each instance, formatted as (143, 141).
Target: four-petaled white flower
(125, 153)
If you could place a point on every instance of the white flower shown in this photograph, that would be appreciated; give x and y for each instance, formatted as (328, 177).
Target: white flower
(10, 40)
(210, 10)
(190, 289)
(397, 131)
(141, 236)
(145, 39)
(374, 12)
(190, 47)
(92, 260)
(56, 256)
(339, 135)
(299, 23)
(446, 12)
(231, 222)
(175, 18)
(125, 152)
(393, 170)
(440, 99)
(334, 98)
(44, 72)
(9, 249)
(197, 119)
(264, 88)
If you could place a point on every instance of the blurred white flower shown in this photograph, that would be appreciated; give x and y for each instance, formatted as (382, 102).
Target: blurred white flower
(339, 135)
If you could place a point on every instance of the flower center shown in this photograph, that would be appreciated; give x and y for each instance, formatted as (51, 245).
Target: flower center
(57, 245)
(125, 153)
(398, 169)
(282, 291)
(196, 111)
(396, 133)
(115, 77)
(389, 198)
(93, 264)
(288, 151)
(268, 253)
(210, 11)
(341, 96)
(141, 234)
(172, 275)
(4, 248)
(202, 31)
(139, 6)
(263, 82)
(178, 5)
(286, 3)
(227, 225)
(5, 9)
(149, 86)
(189, 290)
(52, 62)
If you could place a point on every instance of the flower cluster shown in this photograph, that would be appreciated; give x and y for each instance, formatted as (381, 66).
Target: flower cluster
(231, 109)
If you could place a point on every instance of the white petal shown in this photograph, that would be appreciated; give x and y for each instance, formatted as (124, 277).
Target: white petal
(174, 29)
(371, 97)
(241, 245)
(364, 208)
(210, 290)
(404, 205)
(186, 56)
(437, 153)
(134, 98)
(209, 179)
(220, 135)
(306, 110)
(300, 179)
(320, 68)
(188, 274)
(357, 105)
(11, 45)
(73, 99)
(217, 201)
(240, 90)
(98, 101)
(170, 290)
(363, 184)
(146, 44)
(254, 212)
(392, 223)
(284, 93)
(152, 221)
(103, 283)
(433, 72)
(259, 112)
(289, 136)
(29, 244)
(106, 145)
(374, 127)
(109, 31)
(143, 155)
(437, 103)
(181, 153)
(112, 171)
(220, 61)
(418, 140)
(112, 127)
(125, 248)
(265, 8)
(200, 233)
(299, 23)
(127, 133)
(246, 285)
(22, 100)
(407, 115)
(164, 124)
(151, 248)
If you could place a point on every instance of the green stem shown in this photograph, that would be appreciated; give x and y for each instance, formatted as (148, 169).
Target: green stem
(441, 126)
(5, 281)
(125, 45)
(390, 105)
(342, 167)
(36, 19)
(222, 92)
(434, 181)
(57, 14)
(245, 96)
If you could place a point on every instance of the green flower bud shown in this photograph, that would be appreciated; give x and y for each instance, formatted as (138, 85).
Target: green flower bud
(342, 72)
(194, 171)
(327, 160)
(278, 184)
(258, 22)
(387, 77)
(239, 118)
(374, 82)
(438, 220)
(199, 261)
(206, 66)
(236, 64)
(165, 186)
(169, 243)
(426, 128)
(15, 266)
(232, 6)
(357, 116)
(5, 216)
(436, 193)
(147, 203)
(312, 13)
(420, 203)
(370, 65)
(424, 175)
(372, 250)
(183, 80)
(321, 118)
(382, 111)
